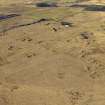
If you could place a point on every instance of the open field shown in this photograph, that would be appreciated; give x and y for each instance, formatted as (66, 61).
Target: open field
(52, 55)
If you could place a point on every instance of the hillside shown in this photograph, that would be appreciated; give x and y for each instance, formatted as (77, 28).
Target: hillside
(52, 52)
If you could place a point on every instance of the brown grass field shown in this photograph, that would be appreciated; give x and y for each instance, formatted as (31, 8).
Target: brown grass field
(52, 55)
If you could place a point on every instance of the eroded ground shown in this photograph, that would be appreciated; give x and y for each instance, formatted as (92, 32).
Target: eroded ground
(45, 62)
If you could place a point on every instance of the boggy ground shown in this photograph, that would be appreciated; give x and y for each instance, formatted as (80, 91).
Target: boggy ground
(45, 62)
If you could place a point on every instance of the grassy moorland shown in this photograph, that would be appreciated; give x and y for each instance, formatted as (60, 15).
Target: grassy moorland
(52, 52)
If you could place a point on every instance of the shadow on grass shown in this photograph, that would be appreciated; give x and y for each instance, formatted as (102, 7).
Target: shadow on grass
(100, 8)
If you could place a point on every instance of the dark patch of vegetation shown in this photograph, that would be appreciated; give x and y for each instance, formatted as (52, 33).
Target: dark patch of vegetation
(45, 4)
(2, 17)
(90, 7)
(31, 55)
(54, 29)
(66, 23)
(95, 8)
(86, 35)
(78, 6)
(43, 19)
(25, 24)
(11, 47)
